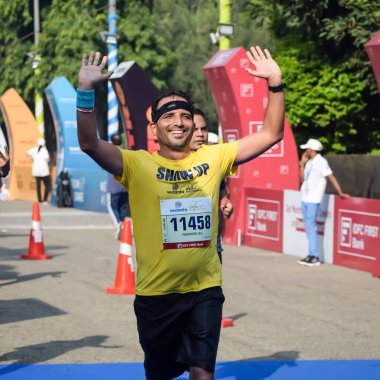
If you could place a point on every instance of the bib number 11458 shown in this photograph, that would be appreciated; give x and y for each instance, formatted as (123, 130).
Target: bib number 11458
(199, 222)
(186, 223)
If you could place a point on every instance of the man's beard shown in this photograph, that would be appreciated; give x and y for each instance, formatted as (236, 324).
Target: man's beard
(178, 145)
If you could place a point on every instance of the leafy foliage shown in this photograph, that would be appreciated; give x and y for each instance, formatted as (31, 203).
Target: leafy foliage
(331, 93)
(319, 44)
(13, 55)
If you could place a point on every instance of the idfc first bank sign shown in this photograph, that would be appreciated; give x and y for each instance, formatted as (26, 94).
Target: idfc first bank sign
(357, 233)
(264, 219)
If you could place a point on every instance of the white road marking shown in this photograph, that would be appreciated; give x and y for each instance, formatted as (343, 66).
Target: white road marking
(78, 227)
(48, 213)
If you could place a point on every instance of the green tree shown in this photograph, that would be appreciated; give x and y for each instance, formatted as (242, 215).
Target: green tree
(186, 27)
(331, 93)
(16, 39)
(169, 39)
(140, 42)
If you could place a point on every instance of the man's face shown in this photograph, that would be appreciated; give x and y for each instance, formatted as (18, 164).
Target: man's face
(174, 129)
(200, 134)
(310, 153)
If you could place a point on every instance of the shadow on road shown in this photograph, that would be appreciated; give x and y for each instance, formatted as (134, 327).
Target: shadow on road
(26, 309)
(7, 273)
(39, 353)
(258, 368)
(14, 254)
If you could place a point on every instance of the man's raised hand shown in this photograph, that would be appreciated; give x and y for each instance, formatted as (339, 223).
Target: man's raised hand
(91, 71)
(265, 66)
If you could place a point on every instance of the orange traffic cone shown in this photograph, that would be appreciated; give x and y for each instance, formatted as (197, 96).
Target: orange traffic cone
(125, 276)
(227, 322)
(36, 250)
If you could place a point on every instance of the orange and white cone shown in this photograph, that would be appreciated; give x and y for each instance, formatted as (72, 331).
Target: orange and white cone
(227, 322)
(125, 275)
(36, 250)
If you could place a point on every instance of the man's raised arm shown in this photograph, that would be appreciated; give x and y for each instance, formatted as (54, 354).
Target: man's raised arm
(273, 126)
(106, 155)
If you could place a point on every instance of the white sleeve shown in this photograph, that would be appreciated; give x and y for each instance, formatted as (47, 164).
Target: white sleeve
(46, 154)
(325, 168)
(30, 152)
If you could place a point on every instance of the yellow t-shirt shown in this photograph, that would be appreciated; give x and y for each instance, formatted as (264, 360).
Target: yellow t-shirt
(152, 182)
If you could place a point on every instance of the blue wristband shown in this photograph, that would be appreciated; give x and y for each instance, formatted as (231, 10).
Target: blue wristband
(85, 98)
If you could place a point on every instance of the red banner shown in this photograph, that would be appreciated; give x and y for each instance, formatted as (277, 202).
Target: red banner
(241, 101)
(372, 48)
(356, 234)
(263, 219)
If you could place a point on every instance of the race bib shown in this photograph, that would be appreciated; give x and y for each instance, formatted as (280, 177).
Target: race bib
(186, 223)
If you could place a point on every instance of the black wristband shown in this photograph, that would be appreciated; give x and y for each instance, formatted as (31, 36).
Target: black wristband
(278, 88)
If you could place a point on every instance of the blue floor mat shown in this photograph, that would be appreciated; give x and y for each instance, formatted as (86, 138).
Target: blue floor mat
(239, 370)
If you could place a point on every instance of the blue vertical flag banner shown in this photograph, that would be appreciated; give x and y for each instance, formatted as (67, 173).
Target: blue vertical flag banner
(88, 180)
(113, 121)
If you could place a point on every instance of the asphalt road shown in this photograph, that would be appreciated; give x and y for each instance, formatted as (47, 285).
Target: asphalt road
(57, 311)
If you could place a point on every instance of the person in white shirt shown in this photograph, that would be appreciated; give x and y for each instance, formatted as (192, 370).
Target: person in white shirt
(314, 171)
(4, 161)
(40, 169)
(4, 170)
(213, 138)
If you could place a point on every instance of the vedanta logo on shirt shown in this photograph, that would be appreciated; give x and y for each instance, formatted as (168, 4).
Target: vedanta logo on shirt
(171, 175)
(178, 208)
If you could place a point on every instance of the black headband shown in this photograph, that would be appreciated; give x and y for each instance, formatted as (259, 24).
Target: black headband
(170, 106)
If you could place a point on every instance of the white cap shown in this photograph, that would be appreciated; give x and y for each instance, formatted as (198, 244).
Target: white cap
(41, 142)
(312, 144)
(213, 138)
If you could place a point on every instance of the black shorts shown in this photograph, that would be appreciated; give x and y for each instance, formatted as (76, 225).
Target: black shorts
(178, 331)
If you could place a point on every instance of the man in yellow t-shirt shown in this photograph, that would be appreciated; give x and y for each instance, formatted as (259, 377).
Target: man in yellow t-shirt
(177, 255)
(174, 196)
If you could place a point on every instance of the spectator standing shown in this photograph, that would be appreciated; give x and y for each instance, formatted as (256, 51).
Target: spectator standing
(40, 169)
(4, 162)
(4, 170)
(314, 172)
